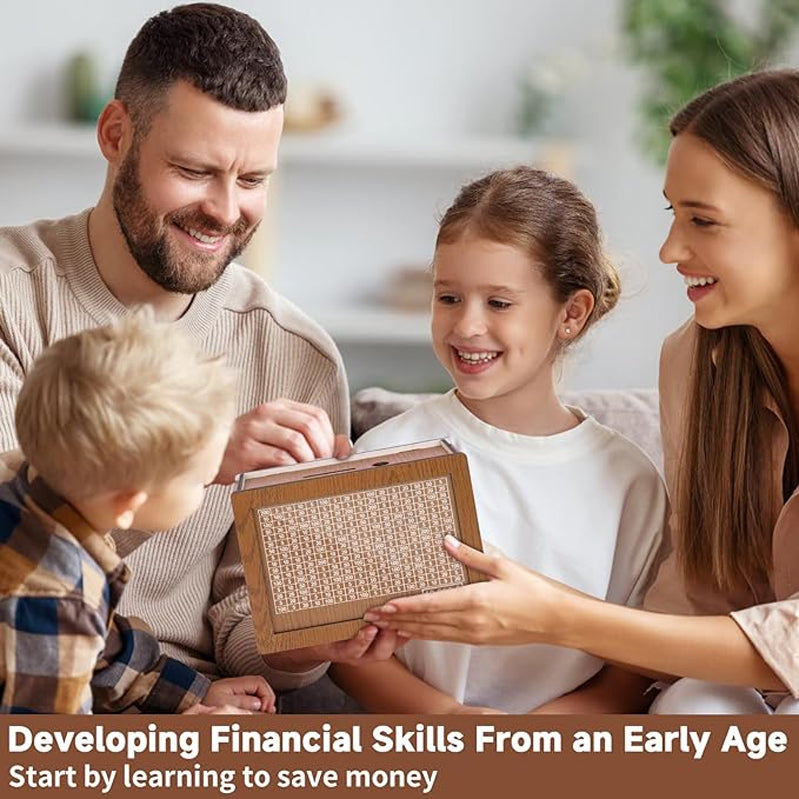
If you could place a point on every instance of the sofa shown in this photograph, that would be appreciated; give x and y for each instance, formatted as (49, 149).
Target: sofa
(632, 412)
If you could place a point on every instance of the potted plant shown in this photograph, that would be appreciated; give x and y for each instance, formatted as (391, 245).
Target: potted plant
(687, 46)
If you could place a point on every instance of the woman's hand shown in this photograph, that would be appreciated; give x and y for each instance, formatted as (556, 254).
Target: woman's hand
(514, 606)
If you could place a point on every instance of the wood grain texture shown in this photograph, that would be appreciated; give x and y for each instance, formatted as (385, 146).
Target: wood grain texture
(317, 585)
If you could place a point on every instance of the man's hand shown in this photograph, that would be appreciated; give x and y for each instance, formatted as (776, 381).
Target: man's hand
(245, 693)
(279, 433)
(367, 646)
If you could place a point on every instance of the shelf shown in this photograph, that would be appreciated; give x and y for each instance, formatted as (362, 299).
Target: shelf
(331, 149)
(68, 141)
(374, 325)
(359, 150)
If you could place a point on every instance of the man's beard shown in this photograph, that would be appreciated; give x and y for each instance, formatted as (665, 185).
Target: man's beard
(150, 246)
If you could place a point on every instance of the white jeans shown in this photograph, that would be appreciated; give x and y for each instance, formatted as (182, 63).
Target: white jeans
(695, 697)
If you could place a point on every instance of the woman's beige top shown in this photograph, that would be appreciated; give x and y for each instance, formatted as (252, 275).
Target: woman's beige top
(767, 614)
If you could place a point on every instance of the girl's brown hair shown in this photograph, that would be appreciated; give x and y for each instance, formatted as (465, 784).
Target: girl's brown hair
(548, 218)
(726, 494)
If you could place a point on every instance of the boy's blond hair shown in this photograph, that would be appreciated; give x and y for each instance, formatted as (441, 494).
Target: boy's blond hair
(121, 406)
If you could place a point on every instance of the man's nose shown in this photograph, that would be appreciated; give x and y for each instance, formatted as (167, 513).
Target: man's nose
(221, 204)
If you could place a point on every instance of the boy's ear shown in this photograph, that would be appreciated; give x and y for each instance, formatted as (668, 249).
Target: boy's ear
(125, 504)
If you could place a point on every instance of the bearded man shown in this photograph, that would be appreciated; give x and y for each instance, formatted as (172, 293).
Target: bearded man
(191, 138)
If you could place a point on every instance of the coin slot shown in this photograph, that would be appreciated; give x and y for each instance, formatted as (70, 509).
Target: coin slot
(328, 474)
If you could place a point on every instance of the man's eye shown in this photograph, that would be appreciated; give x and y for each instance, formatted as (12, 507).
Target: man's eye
(192, 173)
(252, 183)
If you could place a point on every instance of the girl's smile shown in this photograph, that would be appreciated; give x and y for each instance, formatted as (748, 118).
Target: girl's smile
(471, 361)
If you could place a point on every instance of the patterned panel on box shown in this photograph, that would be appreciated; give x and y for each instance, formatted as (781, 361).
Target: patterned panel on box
(364, 544)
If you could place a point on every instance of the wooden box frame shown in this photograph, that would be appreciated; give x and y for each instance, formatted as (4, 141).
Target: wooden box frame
(277, 631)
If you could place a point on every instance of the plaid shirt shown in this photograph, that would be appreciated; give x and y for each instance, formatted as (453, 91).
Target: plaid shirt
(63, 649)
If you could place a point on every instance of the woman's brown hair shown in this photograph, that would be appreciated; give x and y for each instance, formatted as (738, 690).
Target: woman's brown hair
(726, 493)
(545, 216)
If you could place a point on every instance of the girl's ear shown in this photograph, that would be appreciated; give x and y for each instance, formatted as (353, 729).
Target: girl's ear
(575, 314)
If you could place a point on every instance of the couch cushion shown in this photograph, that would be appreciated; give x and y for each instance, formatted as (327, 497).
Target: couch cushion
(632, 412)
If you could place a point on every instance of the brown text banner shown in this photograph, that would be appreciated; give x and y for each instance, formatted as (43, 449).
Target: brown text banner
(441, 756)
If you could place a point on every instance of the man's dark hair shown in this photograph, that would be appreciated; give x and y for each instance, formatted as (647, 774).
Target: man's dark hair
(218, 50)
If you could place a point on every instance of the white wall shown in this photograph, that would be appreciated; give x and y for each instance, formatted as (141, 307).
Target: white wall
(413, 70)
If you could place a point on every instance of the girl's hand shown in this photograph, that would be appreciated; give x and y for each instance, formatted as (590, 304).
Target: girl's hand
(368, 645)
(246, 693)
(515, 605)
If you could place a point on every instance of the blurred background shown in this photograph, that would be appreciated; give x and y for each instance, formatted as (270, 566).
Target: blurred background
(392, 106)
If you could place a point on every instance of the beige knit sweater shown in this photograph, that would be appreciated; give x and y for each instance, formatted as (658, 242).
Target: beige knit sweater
(187, 582)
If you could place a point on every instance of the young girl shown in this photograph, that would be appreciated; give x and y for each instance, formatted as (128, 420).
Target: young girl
(519, 276)
(728, 596)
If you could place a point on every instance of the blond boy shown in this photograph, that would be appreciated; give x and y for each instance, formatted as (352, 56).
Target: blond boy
(120, 425)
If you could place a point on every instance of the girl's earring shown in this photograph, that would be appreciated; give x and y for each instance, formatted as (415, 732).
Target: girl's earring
(568, 331)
